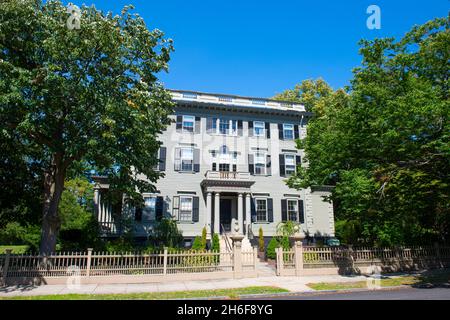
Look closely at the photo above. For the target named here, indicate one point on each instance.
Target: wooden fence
(103, 267)
(342, 260)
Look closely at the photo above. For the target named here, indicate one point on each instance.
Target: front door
(225, 215)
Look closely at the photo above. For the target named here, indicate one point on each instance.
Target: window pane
(259, 127)
(289, 159)
(187, 153)
(292, 210)
(288, 131)
(148, 212)
(186, 209)
(233, 126)
(188, 123)
(261, 210)
(224, 126)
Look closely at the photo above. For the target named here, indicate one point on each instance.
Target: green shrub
(198, 245)
(16, 234)
(122, 244)
(261, 239)
(166, 234)
(215, 246)
(204, 238)
(270, 252)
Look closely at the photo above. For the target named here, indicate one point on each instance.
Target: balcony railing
(225, 175)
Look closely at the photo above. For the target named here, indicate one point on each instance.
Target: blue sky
(259, 48)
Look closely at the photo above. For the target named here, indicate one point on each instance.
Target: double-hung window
(188, 123)
(149, 210)
(288, 131)
(289, 164)
(260, 163)
(187, 159)
(261, 209)
(186, 208)
(292, 210)
(224, 126)
(258, 128)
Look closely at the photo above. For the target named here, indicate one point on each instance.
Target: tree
(88, 94)
(383, 143)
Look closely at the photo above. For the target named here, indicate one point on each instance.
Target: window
(288, 131)
(224, 126)
(259, 128)
(187, 159)
(224, 167)
(188, 123)
(260, 163)
(292, 210)
(289, 164)
(261, 210)
(185, 208)
(149, 210)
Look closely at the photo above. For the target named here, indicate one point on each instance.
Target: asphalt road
(391, 294)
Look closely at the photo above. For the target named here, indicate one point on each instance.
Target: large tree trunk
(53, 188)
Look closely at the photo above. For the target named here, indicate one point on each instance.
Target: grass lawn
(15, 249)
(230, 293)
(429, 278)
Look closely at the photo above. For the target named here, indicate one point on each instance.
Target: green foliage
(166, 234)
(215, 246)
(287, 229)
(383, 143)
(84, 95)
(122, 244)
(15, 234)
(261, 239)
(197, 244)
(271, 246)
(204, 238)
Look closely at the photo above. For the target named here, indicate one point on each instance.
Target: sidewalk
(293, 284)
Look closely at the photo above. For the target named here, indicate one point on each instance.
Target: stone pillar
(240, 206)
(208, 215)
(217, 213)
(237, 255)
(298, 251)
(247, 213)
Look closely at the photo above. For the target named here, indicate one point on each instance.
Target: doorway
(225, 215)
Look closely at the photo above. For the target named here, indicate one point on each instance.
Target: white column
(247, 212)
(217, 212)
(240, 212)
(96, 201)
(208, 215)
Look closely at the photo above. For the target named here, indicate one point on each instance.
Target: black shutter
(214, 166)
(267, 130)
(270, 209)
(197, 124)
(195, 213)
(196, 160)
(250, 128)
(301, 211)
(162, 158)
(298, 161)
(239, 126)
(282, 168)
(175, 207)
(253, 209)
(159, 208)
(137, 214)
(234, 168)
(296, 132)
(280, 131)
(268, 165)
(251, 166)
(179, 123)
(283, 210)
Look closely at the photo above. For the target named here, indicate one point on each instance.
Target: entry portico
(230, 192)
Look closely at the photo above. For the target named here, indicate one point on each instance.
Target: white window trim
(287, 209)
(265, 163)
(256, 210)
(181, 159)
(284, 129)
(263, 134)
(230, 127)
(183, 130)
(180, 209)
(295, 164)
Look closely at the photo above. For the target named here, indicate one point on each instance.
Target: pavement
(293, 284)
